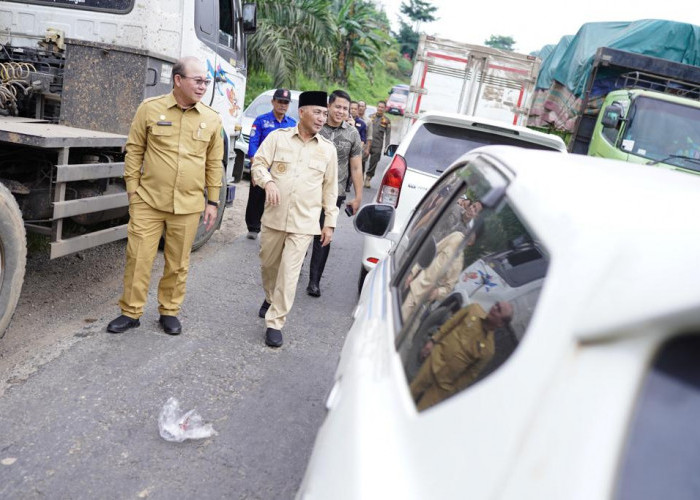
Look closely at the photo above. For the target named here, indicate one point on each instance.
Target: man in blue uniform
(262, 126)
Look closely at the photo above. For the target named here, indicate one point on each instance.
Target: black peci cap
(282, 95)
(313, 98)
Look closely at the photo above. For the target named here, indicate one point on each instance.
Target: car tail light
(390, 188)
(372, 260)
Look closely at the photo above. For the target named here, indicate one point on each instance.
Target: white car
(593, 389)
(260, 105)
(432, 143)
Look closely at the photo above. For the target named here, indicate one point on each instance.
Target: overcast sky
(535, 24)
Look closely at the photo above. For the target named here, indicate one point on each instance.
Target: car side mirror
(250, 18)
(612, 115)
(391, 150)
(375, 219)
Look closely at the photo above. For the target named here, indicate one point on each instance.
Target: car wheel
(13, 256)
(361, 280)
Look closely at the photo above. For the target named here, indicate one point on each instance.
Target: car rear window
(435, 146)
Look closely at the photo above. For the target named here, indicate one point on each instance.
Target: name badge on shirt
(164, 124)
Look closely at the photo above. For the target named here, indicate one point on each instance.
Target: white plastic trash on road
(176, 425)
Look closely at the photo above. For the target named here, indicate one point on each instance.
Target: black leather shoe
(263, 309)
(171, 325)
(122, 324)
(273, 337)
(313, 289)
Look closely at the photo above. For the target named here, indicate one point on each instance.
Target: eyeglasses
(199, 82)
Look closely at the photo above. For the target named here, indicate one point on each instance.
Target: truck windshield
(121, 6)
(665, 132)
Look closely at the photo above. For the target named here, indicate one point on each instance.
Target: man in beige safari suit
(173, 152)
(298, 168)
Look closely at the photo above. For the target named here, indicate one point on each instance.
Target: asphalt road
(83, 421)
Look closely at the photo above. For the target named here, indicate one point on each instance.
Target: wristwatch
(213, 203)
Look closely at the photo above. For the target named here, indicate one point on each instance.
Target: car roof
(460, 120)
(632, 230)
(271, 92)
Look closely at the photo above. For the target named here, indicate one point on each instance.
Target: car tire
(13, 256)
(361, 280)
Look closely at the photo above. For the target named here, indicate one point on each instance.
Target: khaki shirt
(306, 174)
(462, 349)
(378, 132)
(172, 155)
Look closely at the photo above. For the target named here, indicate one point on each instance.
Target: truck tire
(13, 256)
(238, 167)
(202, 234)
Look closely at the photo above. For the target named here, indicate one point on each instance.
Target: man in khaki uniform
(458, 352)
(174, 150)
(378, 136)
(298, 168)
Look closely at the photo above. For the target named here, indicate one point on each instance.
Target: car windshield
(263, 104)
(436, 146)
(398, 97)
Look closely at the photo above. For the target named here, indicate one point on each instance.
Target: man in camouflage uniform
(378, 136)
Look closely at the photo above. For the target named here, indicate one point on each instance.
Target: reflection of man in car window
(435, 279)
(458, 352)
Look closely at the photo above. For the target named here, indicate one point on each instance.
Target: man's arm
(368, 144)
(135, 149)
(254, 138)
(356, 171)
(260, 169)
(329, 198)
(213, 174)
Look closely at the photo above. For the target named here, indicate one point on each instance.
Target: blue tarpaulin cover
(564, 72)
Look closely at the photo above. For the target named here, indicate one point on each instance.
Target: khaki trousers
(145, 228)
(281, 257)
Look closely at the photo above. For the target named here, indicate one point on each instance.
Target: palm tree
(293, 36)
(361, 35)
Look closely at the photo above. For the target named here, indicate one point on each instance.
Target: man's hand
(272, 194)
(210, 216)
(427, 349)
(326, 236)
(128, 195)
(355, 204)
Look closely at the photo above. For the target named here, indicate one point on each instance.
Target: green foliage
(407, 39)
(501, 42)
(362, 85)
(292, 37)
(361, 36)
(419, 11)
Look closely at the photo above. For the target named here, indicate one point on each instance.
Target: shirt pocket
(282, 162)
(163, 136)
(200, 141)
(317, 170)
